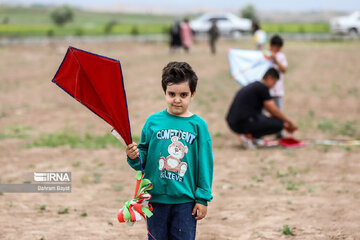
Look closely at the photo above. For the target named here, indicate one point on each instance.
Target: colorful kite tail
(138, 208)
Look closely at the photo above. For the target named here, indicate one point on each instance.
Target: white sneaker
(266, 143)
(246, 142)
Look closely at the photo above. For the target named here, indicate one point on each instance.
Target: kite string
(141, 167)
(142, 171)
(149, 231)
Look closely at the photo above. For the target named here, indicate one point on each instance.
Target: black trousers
(258, 126)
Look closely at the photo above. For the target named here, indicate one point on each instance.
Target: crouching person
(246, 117)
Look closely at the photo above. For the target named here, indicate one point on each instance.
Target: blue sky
(283, 5)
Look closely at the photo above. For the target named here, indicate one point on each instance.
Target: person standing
(213, 36)
(279, 62)
(175, 39)
(186, 35)
(176, 154)
(259, 36)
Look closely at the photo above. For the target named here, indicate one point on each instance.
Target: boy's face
(275, 48)
(178, 97)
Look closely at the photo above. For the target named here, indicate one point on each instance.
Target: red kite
(96, 82)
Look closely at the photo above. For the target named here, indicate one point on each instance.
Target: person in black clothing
(213, 36)
(175, 39)
(245, 116)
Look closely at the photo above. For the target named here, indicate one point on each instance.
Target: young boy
(176, 155)
(279, 63)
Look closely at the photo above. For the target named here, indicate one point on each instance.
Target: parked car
(347, 24)
(227, 23)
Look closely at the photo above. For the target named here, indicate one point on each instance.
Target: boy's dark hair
(178, 72)
(276, 40)
(273, 73)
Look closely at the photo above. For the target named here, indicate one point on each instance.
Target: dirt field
(314, 190)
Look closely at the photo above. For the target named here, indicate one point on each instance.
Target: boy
(280, 63)
(176, 155)
(245, 115)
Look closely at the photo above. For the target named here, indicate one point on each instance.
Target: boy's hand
(282, 68)
(201, 211)
(132, 151)
(273, 57)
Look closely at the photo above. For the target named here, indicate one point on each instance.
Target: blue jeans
(172, 221)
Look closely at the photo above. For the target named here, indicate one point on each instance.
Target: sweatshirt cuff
(134, 163)
(129, 159)
(202, 201)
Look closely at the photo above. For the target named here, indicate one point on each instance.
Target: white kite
(247, 66)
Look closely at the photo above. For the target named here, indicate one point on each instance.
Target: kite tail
(138, 208)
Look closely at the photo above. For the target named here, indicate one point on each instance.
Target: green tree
(5, 20)
(249, 12)
(134, 30)
(109, 26)
(62, 15)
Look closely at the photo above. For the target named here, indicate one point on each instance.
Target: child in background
(176, 155)
(259, 36)
(279, 63)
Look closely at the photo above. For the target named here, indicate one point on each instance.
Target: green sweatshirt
(176, 155)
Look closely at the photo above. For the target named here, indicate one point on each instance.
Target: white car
(227, 23)
(347, 24)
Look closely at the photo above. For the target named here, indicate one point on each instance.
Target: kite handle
(118, 136)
